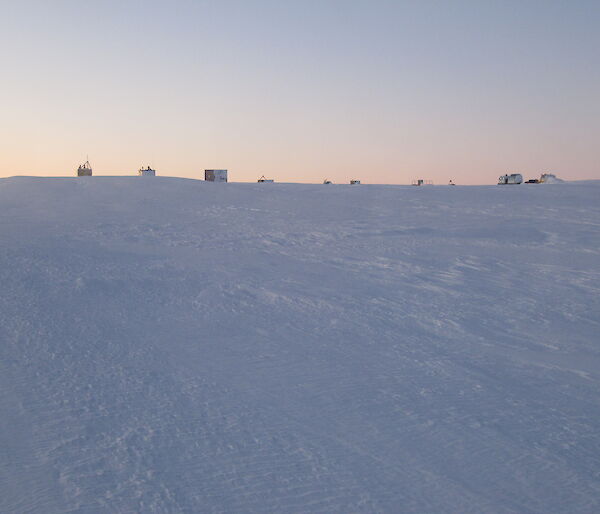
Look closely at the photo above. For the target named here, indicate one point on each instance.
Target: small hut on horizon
(215, 175)
(147, 172)
(84, 170)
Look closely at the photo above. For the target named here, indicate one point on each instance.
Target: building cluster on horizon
(85, 170)
(214, 175)
(517, 178)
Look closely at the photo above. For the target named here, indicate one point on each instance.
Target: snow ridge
(171, 345)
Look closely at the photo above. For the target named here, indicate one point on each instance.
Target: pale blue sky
(383, 91)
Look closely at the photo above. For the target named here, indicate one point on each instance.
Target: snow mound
(172, 345)
(549, 178)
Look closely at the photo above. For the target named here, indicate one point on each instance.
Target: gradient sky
(381, 90)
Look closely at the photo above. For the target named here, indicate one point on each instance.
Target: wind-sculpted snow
(171, 345)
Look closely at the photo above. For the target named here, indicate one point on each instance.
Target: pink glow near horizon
(379, 91)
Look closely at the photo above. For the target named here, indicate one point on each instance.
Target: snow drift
(171, 345)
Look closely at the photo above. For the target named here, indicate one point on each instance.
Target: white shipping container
(215, 175)
(513, 178)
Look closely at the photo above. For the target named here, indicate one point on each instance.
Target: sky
(382, 91)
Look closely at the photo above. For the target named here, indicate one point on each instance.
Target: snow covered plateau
(172, 345)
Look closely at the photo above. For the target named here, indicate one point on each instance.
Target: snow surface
(171, 345)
